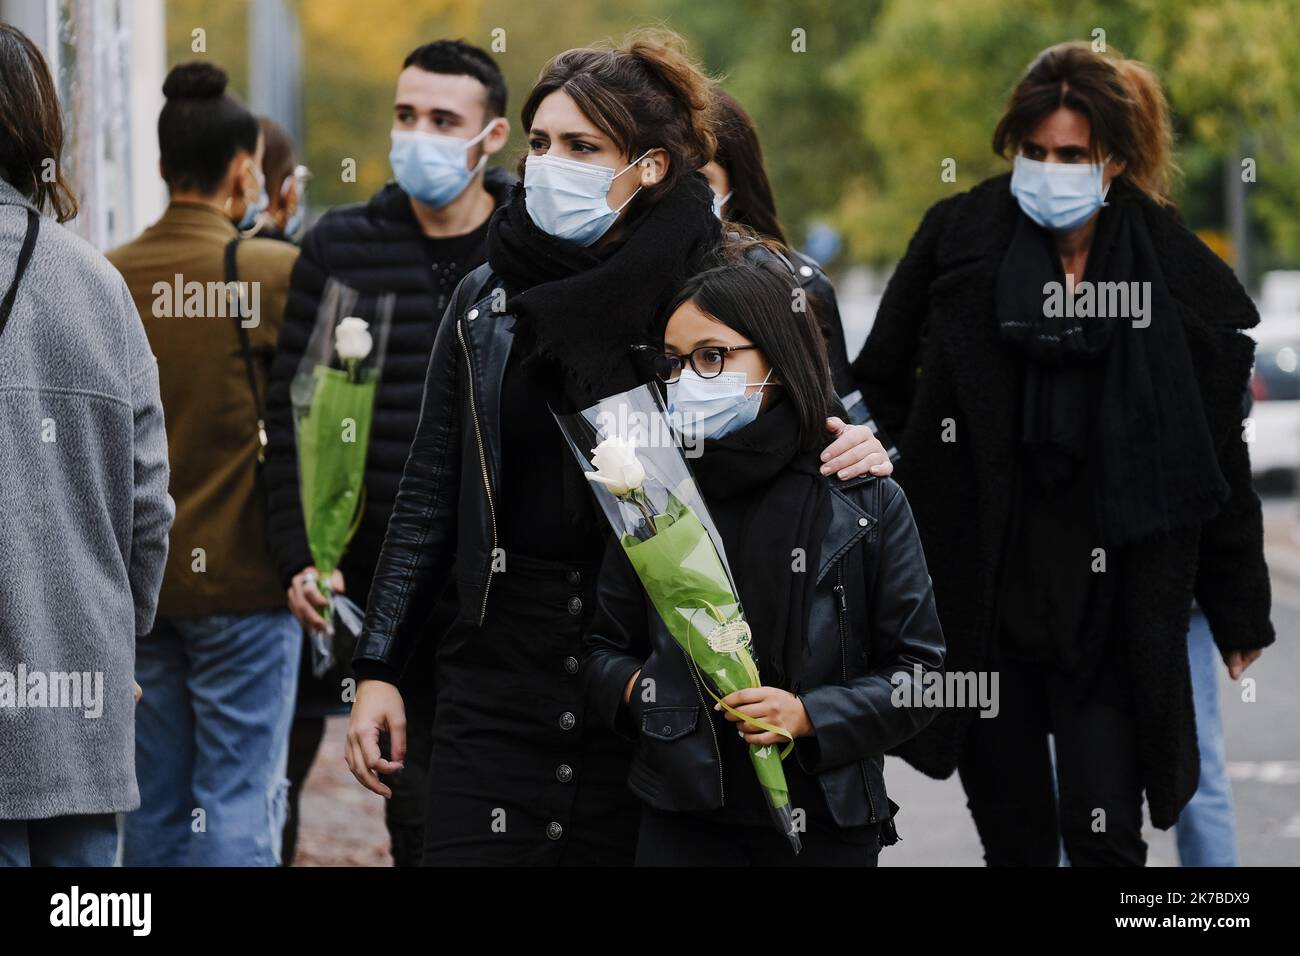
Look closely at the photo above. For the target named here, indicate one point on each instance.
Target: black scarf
(579, 310)
(769, 499)
(1136, 418)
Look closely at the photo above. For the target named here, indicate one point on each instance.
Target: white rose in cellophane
(352, 339)
(617, 466)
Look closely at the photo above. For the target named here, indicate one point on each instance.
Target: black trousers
(1006, 770)
(684, 839)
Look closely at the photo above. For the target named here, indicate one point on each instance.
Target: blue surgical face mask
(566, 198)
(703, 408)
(255, 209)
(1058, 196)
(433, 168)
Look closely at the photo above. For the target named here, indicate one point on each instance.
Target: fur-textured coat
(934, 354)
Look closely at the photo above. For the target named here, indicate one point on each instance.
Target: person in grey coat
(83, 492)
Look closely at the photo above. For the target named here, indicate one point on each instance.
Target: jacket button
(805, 271)
(554, 831)
(567, 720)
(668, 729)
(575, 605)
(570, 665)
(862, 522)
(573, 577)
(564, 773)
(473, 314)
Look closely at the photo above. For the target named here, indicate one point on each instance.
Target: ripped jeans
(212, 740)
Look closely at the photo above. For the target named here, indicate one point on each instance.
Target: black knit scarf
(580, 311)
(1141, 426)
(769, 500)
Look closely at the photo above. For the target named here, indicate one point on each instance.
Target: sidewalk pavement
(1282, 538)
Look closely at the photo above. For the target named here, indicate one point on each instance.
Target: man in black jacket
(415, 239)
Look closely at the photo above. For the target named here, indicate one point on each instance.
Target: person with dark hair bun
(611, 217)
(219, 669)
(83, 542)
(1063, 364)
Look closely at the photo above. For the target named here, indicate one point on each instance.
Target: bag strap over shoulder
(24, 259)
(246, 346)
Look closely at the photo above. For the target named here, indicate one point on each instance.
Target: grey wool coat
(84, 516)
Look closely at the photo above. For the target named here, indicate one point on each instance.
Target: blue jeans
(212, 740)
(1206, 830)
(85, 840)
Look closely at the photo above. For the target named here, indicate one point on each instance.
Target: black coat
(934, 354)
(374, 247)
(872, 616)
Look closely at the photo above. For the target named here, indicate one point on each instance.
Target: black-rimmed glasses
(707, 361)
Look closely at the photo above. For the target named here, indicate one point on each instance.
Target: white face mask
(720, 201)
(703, 408)
(566, 198)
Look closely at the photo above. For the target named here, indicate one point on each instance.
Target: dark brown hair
(645, 94)
(740, 154)
(31, 126)
(1121, 100)
(278, 158)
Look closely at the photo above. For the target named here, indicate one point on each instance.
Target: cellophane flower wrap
(631, 455)
(333, 397)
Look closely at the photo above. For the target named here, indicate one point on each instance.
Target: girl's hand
(378, 707)
(772, 705)
(856, 451)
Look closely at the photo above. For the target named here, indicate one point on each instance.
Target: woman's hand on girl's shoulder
(856, 451)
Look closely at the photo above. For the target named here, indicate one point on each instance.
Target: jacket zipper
(717, 751)
(844, 668)
(482, 458)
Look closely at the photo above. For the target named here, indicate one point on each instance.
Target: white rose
(352, 340)
(617, 466)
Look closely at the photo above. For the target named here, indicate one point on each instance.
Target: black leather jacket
(445, 515)
(445, 509)
(872, 617)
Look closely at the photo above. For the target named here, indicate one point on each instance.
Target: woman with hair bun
(220, 667)
(610, 218)
(1063, 363)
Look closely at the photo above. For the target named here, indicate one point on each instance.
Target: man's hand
(305, 600)
(378, 708)
(772, 705)
(855, 451)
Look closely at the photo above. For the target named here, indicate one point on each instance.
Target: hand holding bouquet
(646, 491)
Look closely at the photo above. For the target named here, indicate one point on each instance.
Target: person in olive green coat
(220, 668)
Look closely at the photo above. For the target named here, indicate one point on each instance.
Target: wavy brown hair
(31, 126)
(1121, 99)
(645, 94)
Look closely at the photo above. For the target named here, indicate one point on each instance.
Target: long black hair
(201, 128)
(740, 154)
(760, 300)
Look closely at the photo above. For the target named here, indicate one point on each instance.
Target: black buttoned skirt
(520, 775)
